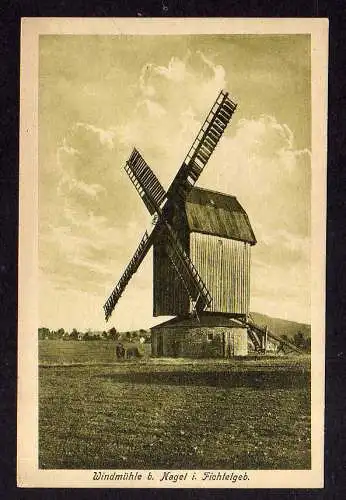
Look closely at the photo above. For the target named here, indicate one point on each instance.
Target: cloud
(106, 137)
(89, 161)
(66, 157)
(89, 232)
(219, 73)
(179, 94)
(193, 80)
(281, 270)
(281, 291)
(259, 164)
(294, 244)
(154, 109)
(91, 190)
(176, 70)
(85, 252)
(69, 150)
(145, 87)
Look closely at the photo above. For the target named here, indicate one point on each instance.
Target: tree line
(88, 335)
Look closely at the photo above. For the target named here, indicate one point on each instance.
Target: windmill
(202, 241)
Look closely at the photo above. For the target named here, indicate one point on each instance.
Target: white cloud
(91, 190)
(183, 82)
(219, 73)
(281, 291)
(69, 157)
(106, 137)
(154, 109)
(175, 71)
(172, 104)
(86, 220)
(147, 89)
(69, 150)
(259, 165)
(284, 239)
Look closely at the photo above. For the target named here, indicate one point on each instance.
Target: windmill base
(209, 336)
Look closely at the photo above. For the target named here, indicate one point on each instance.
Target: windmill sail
(153, 195)
(203, 146)
(132, 267)
(145, 181)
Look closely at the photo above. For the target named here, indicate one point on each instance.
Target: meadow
(96, 412)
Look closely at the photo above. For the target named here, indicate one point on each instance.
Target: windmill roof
(218, 214)
(204, 320)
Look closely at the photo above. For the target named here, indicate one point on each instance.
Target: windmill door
(176, 348)
(227, 344)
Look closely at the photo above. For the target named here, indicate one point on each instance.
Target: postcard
(172, 236)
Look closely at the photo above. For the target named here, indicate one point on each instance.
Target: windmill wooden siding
(224, 266)
(216, 233)
(170, 296)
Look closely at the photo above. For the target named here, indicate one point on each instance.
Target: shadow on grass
(256, 379)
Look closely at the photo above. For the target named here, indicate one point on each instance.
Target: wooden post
(265, 339)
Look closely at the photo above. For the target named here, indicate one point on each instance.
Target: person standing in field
(119, 350)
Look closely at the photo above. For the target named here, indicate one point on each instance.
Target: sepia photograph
(171, 268)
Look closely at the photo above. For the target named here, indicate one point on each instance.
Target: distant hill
(280, 326)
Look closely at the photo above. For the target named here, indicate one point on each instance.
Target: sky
(99, 96)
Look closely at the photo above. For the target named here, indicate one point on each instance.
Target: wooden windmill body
(215, 232)
(202, 241)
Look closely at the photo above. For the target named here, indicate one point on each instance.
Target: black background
(10, 15)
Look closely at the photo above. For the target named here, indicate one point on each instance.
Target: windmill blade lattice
(145, 181)
(153, 195)
(132, 267)
(203, 146)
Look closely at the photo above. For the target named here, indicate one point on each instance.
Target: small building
(208, 336)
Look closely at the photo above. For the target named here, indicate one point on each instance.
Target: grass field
(95, 412)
